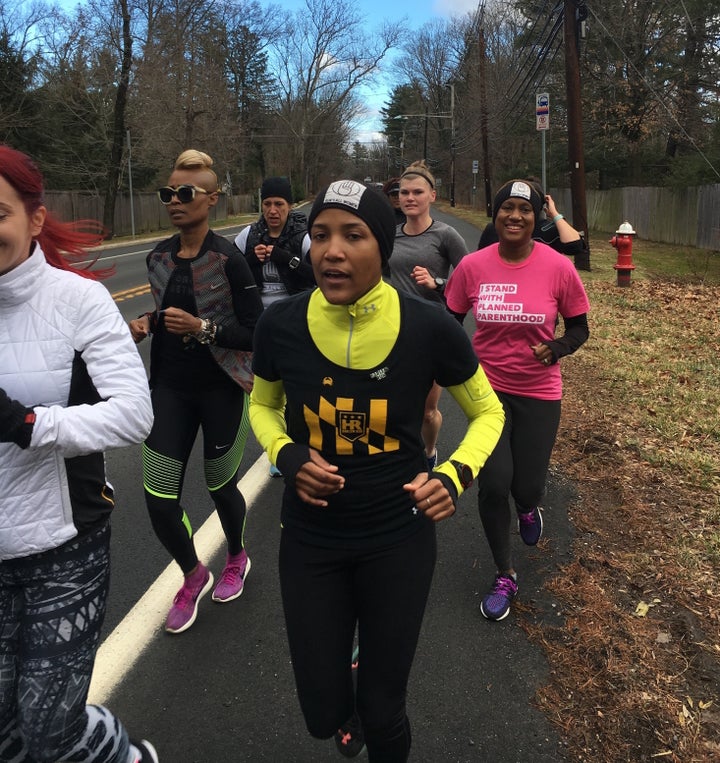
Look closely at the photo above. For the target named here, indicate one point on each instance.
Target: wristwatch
(294, 262)
(464, 474)
(440, 283)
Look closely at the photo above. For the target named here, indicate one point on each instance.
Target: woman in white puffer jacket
(71, 386)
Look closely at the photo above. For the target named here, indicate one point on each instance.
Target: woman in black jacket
(206, 306)
(276, 246)
(551, 228)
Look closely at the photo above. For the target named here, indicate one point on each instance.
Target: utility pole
(484, 118)
(452, 144)
(425, 137)
(575, 134)
(130, 185)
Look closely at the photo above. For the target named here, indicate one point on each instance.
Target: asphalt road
(223, 691)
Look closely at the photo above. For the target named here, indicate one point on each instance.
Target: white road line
(120, 651)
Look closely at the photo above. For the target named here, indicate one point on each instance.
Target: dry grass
(635, 668)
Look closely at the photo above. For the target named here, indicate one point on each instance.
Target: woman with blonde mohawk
(206, 306)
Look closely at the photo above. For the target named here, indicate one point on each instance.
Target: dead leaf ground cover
(635, 666)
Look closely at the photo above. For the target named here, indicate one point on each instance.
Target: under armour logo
(369, 308)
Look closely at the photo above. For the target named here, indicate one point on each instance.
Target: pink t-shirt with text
(516, 306)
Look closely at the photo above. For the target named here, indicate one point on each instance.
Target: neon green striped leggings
(222, 413)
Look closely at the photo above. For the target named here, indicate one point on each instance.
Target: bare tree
(75, 86)
(250, 29)
(202, 74)
(430, 64)
(325, 54)
(20, 58)
(117, 135)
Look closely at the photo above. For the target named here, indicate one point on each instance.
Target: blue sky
(416, 14)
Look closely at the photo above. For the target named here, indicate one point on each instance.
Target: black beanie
(277, 187)
(518, 189)
(371, 206)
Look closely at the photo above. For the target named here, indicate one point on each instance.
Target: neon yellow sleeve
(267, 416)
(486, 418)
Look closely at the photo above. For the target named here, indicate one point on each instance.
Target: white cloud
(454, 7)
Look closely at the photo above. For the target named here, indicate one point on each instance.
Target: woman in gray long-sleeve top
(425, 250)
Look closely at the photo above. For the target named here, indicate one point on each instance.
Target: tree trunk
(118, 132)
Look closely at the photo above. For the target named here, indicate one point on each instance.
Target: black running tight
(325, 594)
(221, 411)
(517, 467)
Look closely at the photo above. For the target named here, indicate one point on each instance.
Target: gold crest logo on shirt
(342, 427)
(351, 425)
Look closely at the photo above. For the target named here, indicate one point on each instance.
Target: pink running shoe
(148, 754)
(232, 579)
(184, 610)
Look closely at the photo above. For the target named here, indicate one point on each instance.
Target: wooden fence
(688, 217)
(148, 213)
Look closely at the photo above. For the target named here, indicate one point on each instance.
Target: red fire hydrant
(622, 241)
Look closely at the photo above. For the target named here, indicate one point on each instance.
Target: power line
(534, 62)
(547, 47)
(530, 43)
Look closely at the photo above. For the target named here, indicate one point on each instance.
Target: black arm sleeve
(299, 278)
(247, 306)
(488, 236)
(14, 426)
(459, 317)
(570, 248)
(576, 334)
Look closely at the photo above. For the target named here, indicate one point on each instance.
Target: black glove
(290, 460)
(448, 483)
(16, 421)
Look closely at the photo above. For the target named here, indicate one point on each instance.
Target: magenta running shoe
(184, 610)
(232, 579)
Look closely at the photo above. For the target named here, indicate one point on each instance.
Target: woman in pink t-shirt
(517, 289)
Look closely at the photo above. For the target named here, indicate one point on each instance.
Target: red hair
(62, 243)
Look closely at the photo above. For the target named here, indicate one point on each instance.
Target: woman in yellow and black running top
(341, 377)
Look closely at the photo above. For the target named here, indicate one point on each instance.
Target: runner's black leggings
(517, 467)
(325, 593)
(222, 413)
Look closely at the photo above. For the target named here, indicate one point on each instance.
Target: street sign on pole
(542, 111)
(542, 124)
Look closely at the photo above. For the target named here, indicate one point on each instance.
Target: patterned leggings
(52, 606)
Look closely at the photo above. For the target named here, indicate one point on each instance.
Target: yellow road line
(124, 647)
(136, 291)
